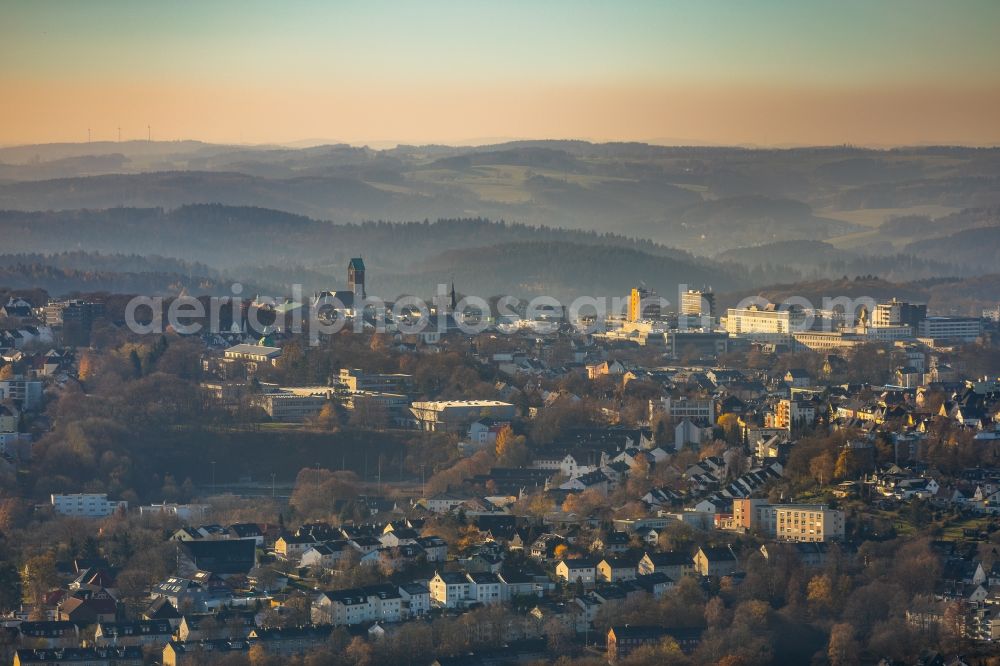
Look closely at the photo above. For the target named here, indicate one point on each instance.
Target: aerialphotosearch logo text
(325, 314)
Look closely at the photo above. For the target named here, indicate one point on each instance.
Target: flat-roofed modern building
(291, 407)
(253, 353)
(698, 302)
(356, 380)
(764, 324)
(789, 522)
(452, 415)
(951, 328)
(898, 313)
(90, 505)
(698, 410)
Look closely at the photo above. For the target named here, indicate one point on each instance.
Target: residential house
(415, 598)
(486, 587)
(435, 548)
(226, 623)
(656, 584)
(80, 656)
(289, 641)
(612, 542)
(179, 653)
(325, 555)
(673, 564)
(716, 561)
(623, 640)
(247, 531)
(450, 589)
(50, 633)
(443, 502)
(195, 593)
(291, 547)
(615, 570)
(577, 569)
(520, 584)
(595, 480)
(140, 633)
(343, 607)
(372, 603)
(223, 557)
(87, 607)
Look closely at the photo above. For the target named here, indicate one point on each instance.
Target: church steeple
(454, 299)
(356, 277)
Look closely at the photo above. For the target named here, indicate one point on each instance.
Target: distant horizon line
(481, 142)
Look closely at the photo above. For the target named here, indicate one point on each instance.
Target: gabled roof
(453, 577)
(316, 631)
(161, 609)
(718, 554)
(244, 530)
(223, 556)
(670, 559)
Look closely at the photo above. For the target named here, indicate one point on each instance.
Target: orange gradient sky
(767, 73)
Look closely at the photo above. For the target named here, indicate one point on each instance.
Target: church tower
(356, 277)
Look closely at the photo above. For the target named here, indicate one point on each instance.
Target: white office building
(768, 324)
(90, 505)
(951, 328)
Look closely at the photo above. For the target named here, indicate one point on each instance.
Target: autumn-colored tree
(558, 636)
(843, 648)
(822, 468)
(38, 576)
(317, 489)
(359, 652)
(664, 653)
(716, 615)
(733, 660)
(560, 551)
(328, 419)
(258, 656)
(511, 449)
(953, 634)
(379, 343)
(7, 372)
(730, 424)
(845, 466)
(536, 505)
(820, 593)
(583, 503)
(14, 513)
(87, 366)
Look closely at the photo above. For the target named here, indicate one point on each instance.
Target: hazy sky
(765, 72)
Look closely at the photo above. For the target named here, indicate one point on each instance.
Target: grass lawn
(954, 531)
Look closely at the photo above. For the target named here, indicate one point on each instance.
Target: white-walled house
(572, 570)
(416, 598)
(486, 587)
(449, 589)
